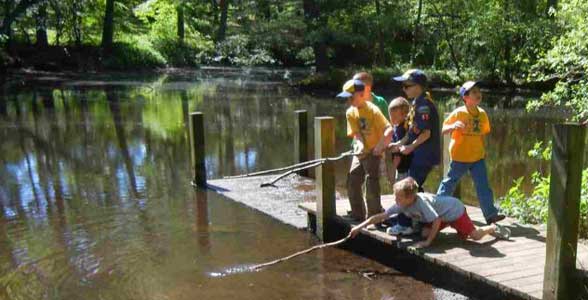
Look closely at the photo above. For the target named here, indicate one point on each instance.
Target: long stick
(317, 163)
(264, 184)
(273, 170)
(273, 262)
(298, 165)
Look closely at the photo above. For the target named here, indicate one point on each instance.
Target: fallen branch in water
(273, 262)
(315, 163)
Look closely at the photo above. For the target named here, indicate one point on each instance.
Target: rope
(273, 262)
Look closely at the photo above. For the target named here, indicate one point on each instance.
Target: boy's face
(397, 116)
(357, 99)
(411, 89)
(404, 199)
(474, 96)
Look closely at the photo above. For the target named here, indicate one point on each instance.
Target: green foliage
(533, 208)
(567, 62)
(238, 50)
(135, 53)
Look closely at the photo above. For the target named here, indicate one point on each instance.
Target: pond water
(95, 200)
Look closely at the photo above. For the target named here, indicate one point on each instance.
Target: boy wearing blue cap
(468, 125)
(371, 133)
(423, 136)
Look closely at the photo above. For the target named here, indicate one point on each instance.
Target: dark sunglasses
(405, 86)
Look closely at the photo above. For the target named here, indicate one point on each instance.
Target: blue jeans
(479, 175)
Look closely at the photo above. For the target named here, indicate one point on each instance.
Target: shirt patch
(362, 123)
(425, 117)
(425, 109)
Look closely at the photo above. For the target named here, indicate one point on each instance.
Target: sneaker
(502, 232)
(496, 218)
(399, 230)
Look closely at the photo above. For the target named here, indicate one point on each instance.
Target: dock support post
(324, 141)
(447, 159)
(197, 149)
(560, 279)
(301, 140)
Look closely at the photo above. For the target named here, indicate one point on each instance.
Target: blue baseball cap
(350, 87)
(466, 87)
(414, 75)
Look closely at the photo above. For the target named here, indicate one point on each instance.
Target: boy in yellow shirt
(468, 125)
(371, 133)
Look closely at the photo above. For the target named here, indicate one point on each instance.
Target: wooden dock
(515, 266)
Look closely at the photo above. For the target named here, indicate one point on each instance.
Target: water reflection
(95, 200)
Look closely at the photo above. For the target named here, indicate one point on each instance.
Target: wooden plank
(197, 150)
(567, 160)
(324, 145)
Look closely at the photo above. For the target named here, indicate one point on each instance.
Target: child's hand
(422, 244)
(458, 125)
(393, 148)
(354, 231)
(406, 150)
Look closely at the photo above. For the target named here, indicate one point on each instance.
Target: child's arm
(375, 219)
(384, 140)
(432, 234)
(423, 137)
(448, 128)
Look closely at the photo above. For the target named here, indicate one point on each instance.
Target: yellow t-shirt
(368, 121)
(467, 145)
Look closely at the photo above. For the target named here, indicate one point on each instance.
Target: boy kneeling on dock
(436, 212)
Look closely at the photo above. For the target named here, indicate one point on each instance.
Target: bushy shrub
(133, 53)
(237, 50)
(533, 208)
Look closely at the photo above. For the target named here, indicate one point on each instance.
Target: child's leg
(371, 166)
(456, 171)
(355, 180)
(482, 232)
(391, 165)
(485, 196)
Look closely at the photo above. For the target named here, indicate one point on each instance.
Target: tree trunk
(41, 32)
(77, 9)
(180, 11)
(214, 7)
(108, 26)
(381, 57)
(507, 45)
(314, 23)
(222, 28)
(58, 21)
(416, 32)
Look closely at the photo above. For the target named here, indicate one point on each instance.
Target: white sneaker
(502, 232)
(399, 230)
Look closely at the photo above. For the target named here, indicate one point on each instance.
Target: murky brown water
(95, 201)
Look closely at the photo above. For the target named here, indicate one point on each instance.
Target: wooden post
(447, 159)
(560, 279)
(301, 140)
(197, 138)
(324, 141)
